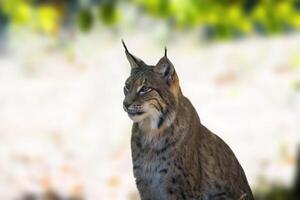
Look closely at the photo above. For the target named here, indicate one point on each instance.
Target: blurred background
(63, 132)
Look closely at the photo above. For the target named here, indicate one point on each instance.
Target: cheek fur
(155, 101)
(152, 117)
(151, 110)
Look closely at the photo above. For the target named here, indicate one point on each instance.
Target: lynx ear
(134, 61)
(165, 68)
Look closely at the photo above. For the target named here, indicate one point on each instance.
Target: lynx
(174, 156)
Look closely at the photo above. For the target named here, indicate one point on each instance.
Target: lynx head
(151, 91)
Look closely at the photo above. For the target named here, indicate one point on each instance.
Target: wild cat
(174, 156)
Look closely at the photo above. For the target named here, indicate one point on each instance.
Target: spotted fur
(174, 156)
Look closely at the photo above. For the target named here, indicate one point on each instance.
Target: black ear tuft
(124, 45)
(134, 61)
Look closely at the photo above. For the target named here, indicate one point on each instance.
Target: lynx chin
(174, 156)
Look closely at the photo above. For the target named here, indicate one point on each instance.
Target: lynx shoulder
(174, 156)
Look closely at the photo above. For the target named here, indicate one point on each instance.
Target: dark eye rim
(145, 90)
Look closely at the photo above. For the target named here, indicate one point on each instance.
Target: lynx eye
(145, 90)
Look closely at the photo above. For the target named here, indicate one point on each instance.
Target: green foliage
(277, 192)
(21, 13)
(219, 19)
(3, 20)
(227, 19)
(107, 11)
(85, 20)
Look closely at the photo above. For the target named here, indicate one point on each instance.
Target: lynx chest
(151, 169)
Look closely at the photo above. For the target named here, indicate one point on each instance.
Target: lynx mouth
(135, 112)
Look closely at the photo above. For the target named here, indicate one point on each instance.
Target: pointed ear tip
(124, 45)
(166, 51)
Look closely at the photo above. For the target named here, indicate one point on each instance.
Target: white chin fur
(138, 118)
(151, 119)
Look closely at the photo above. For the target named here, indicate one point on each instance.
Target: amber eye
(145, 90)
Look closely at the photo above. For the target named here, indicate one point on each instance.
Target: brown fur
(174, 156)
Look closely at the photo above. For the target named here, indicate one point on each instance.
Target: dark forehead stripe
(141, 70)
(139, 74)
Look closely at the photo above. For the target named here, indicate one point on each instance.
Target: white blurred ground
(62, 125)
